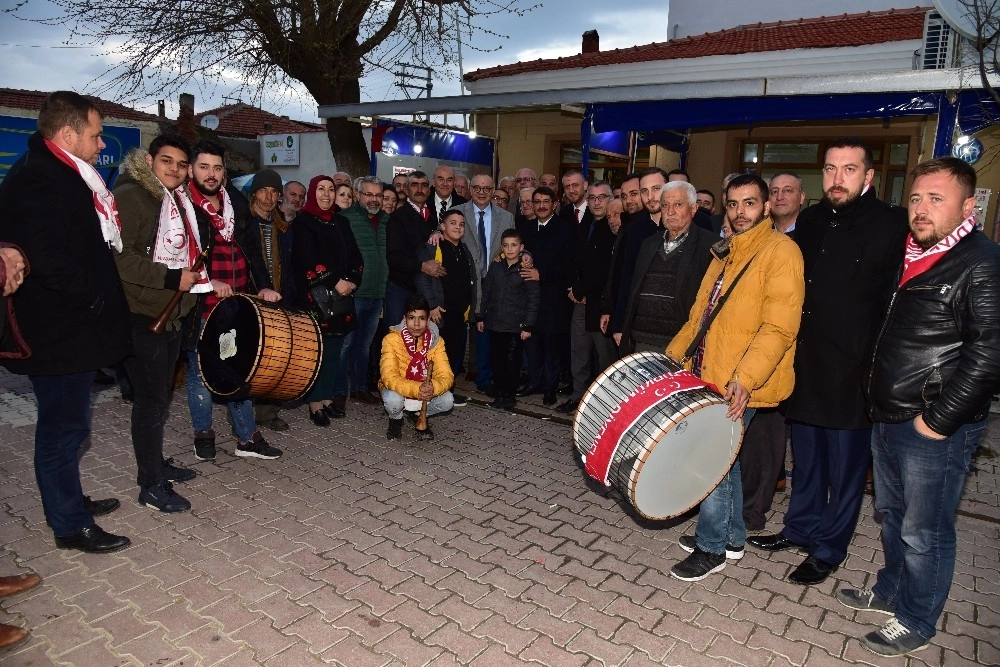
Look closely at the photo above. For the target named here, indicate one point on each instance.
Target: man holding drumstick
(153, 205)
(740, 336)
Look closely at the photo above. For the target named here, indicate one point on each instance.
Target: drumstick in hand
(422, 419)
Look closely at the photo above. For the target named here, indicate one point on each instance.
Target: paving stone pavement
(486, 546)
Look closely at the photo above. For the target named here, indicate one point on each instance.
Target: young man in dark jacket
(936, 366)
(154, 208)
(509, 310)
(452, 297)
(71, 310)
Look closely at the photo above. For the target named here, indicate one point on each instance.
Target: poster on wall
(279, 150)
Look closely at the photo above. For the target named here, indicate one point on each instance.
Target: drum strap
(711, 317)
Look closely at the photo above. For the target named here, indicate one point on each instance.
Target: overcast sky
(35, 57)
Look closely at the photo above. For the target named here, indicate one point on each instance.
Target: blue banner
(15, 130)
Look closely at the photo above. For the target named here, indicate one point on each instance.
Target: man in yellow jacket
(746, 351)
(414, 368)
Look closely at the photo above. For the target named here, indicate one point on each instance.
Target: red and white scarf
(223, 223)
(177, 242)
(104, 201)
(917, 260)
(417, 369)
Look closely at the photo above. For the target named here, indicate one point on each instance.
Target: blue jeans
(395, 303)
(200, 405)
(918, 484)
(720, 518)
(354, 352)
(484, 360)
(63, 425)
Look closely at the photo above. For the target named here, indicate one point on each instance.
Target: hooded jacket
(148, 285)
(395, 358)
(752, 339)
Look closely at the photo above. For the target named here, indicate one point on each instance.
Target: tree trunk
(348, 145)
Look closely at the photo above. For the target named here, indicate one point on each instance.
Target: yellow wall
(530, 139)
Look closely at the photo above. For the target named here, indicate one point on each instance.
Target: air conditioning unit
(940, 47)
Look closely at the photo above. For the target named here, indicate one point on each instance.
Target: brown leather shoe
(18, 583)
(11, 635)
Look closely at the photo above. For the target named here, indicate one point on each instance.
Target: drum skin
(656, 433)
(251, 348)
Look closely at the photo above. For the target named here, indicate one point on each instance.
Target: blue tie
(482, 244)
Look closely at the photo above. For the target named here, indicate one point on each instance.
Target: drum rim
(641, 460)
(256, 303)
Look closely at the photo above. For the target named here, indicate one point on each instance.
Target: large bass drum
(656, 433)
(251, 348)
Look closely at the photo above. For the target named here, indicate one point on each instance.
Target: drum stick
(159, 325)
(422, 419)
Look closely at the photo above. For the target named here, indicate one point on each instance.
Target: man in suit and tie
(445, 196)
(591, 261)
(407, 231)
(575, 190)
(485, 223)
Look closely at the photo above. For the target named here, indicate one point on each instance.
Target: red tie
(426, 213)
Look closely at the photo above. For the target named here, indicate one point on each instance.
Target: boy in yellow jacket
(414, 368)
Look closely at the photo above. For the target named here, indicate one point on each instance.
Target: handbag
(335, 313)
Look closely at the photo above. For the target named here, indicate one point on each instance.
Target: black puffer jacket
(938, 353)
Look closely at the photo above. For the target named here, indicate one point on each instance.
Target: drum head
(229, 347)
(674, 474)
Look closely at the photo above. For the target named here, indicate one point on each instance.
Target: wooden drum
(251, 348)
(656, 433)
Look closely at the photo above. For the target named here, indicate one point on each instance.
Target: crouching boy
(414, 368)
(509, 307)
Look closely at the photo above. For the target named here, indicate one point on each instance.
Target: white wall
(696, 17)
(315, 157)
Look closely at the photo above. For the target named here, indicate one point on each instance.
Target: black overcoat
(851, 257)
(71, 308)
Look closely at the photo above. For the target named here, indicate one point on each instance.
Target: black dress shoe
(333, 411)
(776, 542)
(100, 507)
(319, 417)
(812, 571)
(566, 390)
(549, 398)
(569, 407)
(528, 391)
(93, 540)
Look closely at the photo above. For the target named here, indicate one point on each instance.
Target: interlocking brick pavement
(487, 546)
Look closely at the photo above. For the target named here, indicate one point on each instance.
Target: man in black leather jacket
(935, 367)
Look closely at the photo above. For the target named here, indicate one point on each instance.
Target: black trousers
(453, 331)
(151, 372)
(506, 354)
(762, 457)
(545, 355)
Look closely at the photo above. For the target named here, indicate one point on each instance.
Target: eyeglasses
(541, 201)
(498, 198)
(482, 188)
(599, 198)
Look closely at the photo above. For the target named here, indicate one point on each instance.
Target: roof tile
(32, 100)
(244, 120)
(813, 33)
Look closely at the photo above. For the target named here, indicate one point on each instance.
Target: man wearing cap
(276, 244)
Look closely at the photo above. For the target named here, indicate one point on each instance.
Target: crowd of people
(871, 335)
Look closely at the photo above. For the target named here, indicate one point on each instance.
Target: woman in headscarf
(326, 257)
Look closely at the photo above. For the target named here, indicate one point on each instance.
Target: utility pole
(406, 73)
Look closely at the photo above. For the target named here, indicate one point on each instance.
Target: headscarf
(311, 207)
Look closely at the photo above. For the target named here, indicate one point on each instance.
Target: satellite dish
(958, 14)
(211, 121)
